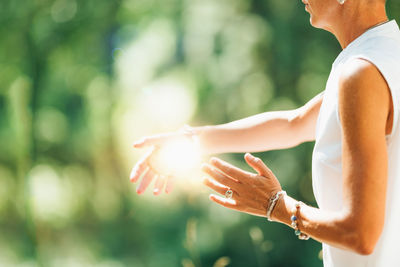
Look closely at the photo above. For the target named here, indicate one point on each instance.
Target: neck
(353, 24)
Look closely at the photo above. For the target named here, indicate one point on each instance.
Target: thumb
(144, 142)
(257, 164)
(154, 140)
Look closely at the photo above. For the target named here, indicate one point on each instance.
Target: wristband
(272, 203)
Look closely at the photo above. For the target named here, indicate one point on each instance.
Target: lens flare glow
(180, 157)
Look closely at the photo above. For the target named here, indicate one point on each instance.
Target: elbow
(361, 233)
(365, 248)
(298, 125)
(363, 241)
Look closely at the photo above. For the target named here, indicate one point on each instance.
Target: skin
(262, 132)
(366, 115)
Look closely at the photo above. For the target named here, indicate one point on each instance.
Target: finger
(153, 140)
(230, 170)
(159, 185)
(227, 203)
(221, 178)
(146, 180)
(146, 141)
(170, 184)
(258, 165)
(140, 167)
(220, 189)
(137, 171)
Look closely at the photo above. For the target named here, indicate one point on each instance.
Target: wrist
(201, 134)
(282, 210)
(273, 200)
(288, 211)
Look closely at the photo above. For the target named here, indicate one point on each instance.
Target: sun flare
(180, 157)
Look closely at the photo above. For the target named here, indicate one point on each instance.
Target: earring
(341, 1)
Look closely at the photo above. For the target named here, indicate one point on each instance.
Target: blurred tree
(80, 80)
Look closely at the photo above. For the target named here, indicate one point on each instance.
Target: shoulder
(358, 72)
(362, 78)
(364, 94)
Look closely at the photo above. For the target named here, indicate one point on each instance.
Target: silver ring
(229, 194)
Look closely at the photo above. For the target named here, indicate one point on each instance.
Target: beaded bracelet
(293, 218)
(272, 203)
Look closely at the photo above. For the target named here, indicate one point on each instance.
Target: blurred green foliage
(81, 80)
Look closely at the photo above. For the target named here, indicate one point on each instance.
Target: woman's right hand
(144, 169)
(149, 167)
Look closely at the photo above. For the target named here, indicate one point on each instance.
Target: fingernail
(132, 174)
(213, 160)
(138, 190)
(204, 166)
(252, 158)
(156, 191)
(137, 143)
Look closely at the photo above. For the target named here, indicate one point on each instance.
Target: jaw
(324, 22)
(324, 13)
(316, 23)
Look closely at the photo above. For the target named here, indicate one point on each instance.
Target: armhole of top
(392, 94)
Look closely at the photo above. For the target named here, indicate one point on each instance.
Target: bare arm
(266, 131)
(262, 132)
(364, 108)
(365, 112)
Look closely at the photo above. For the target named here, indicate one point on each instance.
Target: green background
(81, 80)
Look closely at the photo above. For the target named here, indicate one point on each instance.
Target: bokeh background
(81, 80)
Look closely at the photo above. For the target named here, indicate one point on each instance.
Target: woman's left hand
(251, 192)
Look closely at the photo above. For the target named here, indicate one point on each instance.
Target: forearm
(262, 132)
(329, 227)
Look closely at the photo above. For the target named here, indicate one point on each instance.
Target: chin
(315, 23)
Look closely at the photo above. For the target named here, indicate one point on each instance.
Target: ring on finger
(229, 194)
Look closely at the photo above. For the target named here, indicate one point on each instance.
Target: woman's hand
(143, 169)
(251, 192)
(145, 166)
(160, 163)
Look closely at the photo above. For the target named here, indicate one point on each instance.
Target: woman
(356, 157)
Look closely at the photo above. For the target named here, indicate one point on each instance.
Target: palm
(148, 171)
(164, 160)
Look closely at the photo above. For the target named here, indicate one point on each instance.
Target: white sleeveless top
(381, 46)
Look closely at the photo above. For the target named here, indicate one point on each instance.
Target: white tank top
(381, 46)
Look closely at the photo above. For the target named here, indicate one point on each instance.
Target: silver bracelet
(272, 203)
